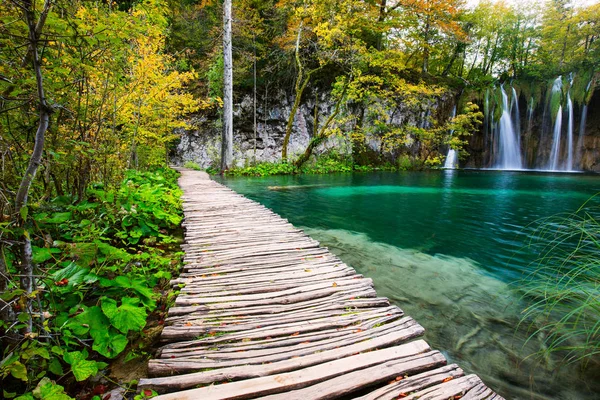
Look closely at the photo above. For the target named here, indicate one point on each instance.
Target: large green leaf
(109, 343)
(82, 368)
(139, 286)
(75, 274)
(91, 320)
(48, 390)
(59, 218)
(18, 370)
(127, 317)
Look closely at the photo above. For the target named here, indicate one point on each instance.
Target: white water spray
(510, 151)
(451, 157)
(555, 153)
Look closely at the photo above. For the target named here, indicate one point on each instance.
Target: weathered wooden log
(325, 365)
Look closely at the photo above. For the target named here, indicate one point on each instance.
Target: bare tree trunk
(254, 103)
(227, 136)
(36, 157)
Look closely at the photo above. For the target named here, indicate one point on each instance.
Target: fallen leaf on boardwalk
(295, 356)
(202, 276)
(147, 392)
(457, 397)
(399, 378)
(212, 333)
(307, 342)
(358, 330)
(215, 275)
(308, 270)
(188, 324)
(334, 284)
(268, 337)
(401, 395)
(298, 249)
(448, 379)
(258, 326)
(295, 334)
(352, 298)
(172, 356)
(245, 340)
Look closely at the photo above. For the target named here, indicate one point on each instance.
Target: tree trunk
(322, 135)
(227, 136)
(26, 267)
(299, 88)
(426, 49)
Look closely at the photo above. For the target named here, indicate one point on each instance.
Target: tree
(34, 29)
(227, 137)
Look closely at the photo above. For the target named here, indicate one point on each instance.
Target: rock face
(202, 143)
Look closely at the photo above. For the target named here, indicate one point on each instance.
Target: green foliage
(100, 259)
(564, 285)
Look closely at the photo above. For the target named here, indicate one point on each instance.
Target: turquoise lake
(448, 248)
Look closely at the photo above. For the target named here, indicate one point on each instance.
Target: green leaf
(48, 390)
(82, 368)
(26, 396)
(110, 344)
(9, 295)
(127, 317)
(90, 320)
(73, 273)
(41, 254)
(55, 367)
(59, 218)
(8, 395)
(18, 370)
(24, 211)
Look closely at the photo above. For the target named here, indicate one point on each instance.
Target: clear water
(446, 247)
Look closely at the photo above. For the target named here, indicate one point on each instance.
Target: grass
(564, 287)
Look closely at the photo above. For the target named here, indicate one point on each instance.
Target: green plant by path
(322, 165)
(102, 263)
(564, 287)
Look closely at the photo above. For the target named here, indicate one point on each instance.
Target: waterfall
(555, 152)
(530, 114)
(451, 157)
(514, 109)
(584, 111)
(581, 133)
(569, 164)
(509, 152)
(556, 141)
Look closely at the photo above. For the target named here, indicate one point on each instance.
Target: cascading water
(509, 156)
(584, 111)
(555, 153)
(553, 140)
(514, 110)
(569, 164)
(530, 114)
(556, 141)
(451, 157)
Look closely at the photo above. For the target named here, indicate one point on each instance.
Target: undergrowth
(103, 266)
(326, 164)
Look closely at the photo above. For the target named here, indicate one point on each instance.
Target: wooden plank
(323, 365)
(408, 384)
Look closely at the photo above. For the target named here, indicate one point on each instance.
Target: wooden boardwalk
(265, 312)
